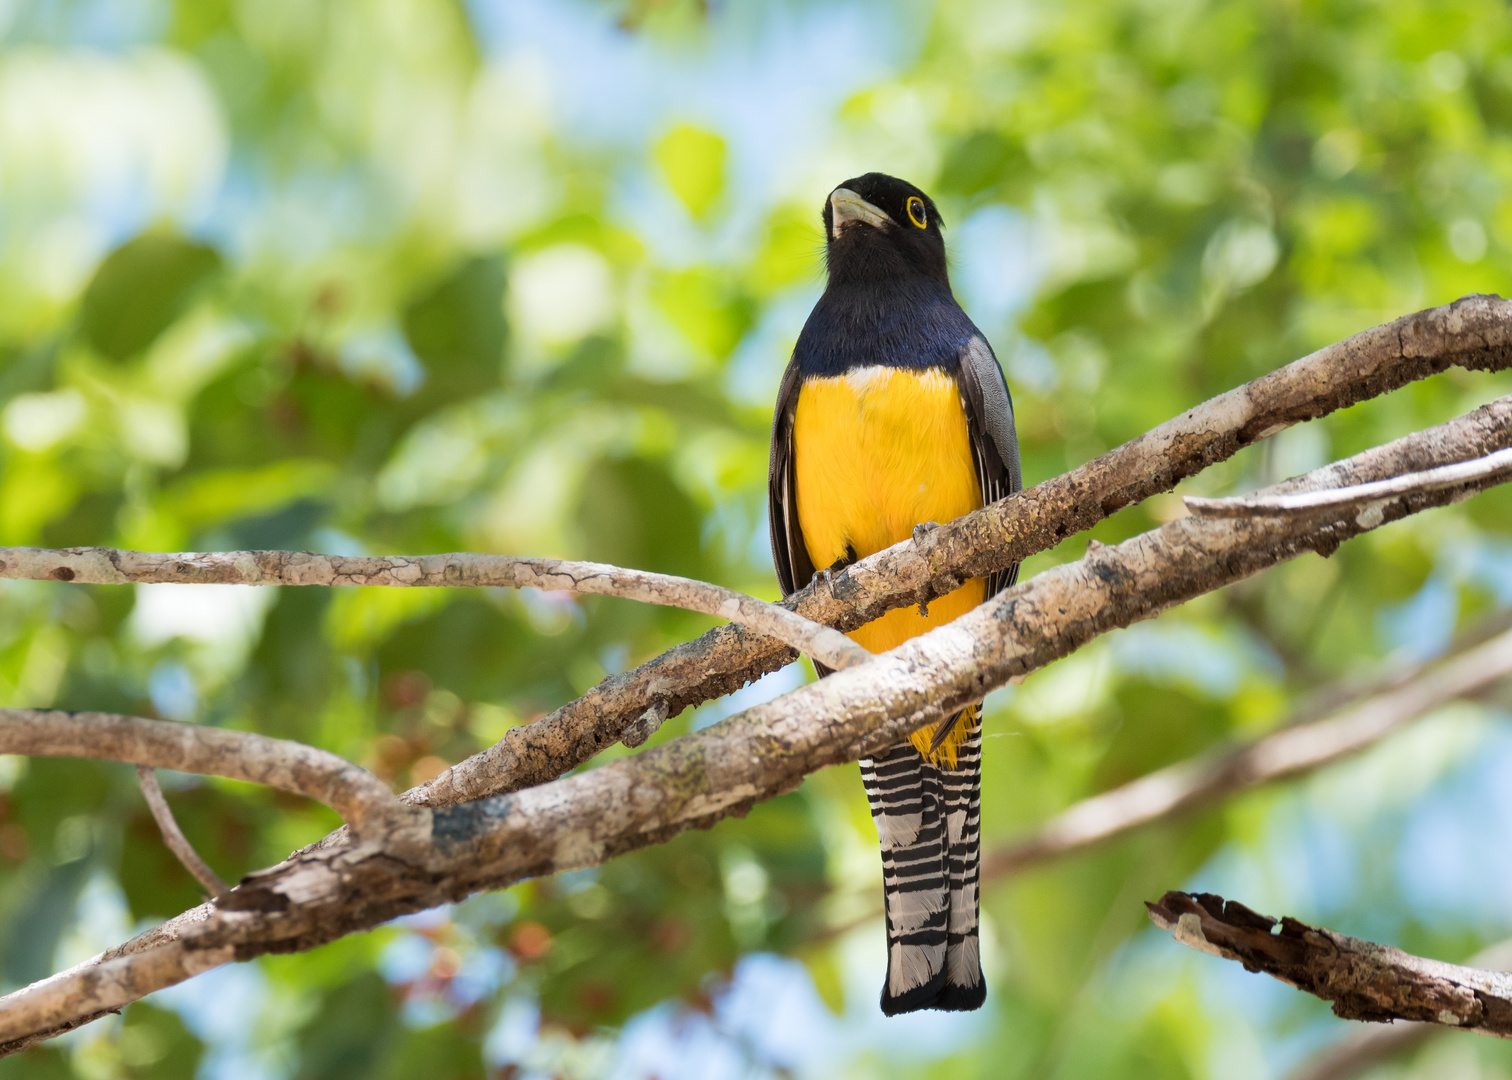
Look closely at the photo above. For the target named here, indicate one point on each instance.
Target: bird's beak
(847, 206)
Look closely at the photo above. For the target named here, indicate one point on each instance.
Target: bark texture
(1363, 980)
(87, 992)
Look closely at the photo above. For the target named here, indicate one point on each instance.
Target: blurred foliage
(414, 276)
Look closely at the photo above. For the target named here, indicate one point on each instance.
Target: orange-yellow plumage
(877, 451)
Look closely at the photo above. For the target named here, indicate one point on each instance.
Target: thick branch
(1474, 332)
(693, 781)
(95, 987)
(362, 800)
(174, 837)
(1289, 752)
(1365, 981)
(111, 566)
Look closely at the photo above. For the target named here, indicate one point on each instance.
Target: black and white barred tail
(929, 821)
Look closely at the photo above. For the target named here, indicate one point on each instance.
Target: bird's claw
(923, 529)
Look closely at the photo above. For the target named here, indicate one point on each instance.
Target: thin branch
(1366, 1047)
(174, 837)
(111, 566)
(1496, 464)
(693, 781)
(363, 801)
(1181, 788)
(1365, 981)
(1474, 332)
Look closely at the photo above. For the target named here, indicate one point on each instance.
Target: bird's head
(880, 228)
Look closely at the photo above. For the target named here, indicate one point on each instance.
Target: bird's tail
(929, 821)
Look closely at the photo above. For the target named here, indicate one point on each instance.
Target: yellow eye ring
(916, 211)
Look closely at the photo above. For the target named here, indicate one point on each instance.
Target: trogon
(893, 415)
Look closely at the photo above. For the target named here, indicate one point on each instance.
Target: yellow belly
(876, 452)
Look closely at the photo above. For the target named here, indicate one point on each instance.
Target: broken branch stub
(1363, 980)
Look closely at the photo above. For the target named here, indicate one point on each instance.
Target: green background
(407, 276)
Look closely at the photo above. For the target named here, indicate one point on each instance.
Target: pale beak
(847, 206)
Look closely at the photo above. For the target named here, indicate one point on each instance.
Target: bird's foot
(827, 576)
(923, 529)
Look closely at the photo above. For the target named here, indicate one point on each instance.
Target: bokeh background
(520, 276)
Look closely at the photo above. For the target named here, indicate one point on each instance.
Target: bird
(893, 415)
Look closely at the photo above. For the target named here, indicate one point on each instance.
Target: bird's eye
(916, 212)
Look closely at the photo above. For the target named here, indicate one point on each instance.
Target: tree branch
(1366, 1047)
(1365, 981)
(691, 782)
(111, 566)
(1474, 332)
(364, 802)
(174, 837)
(1292, 751)
(91, 989)
(1444, 476)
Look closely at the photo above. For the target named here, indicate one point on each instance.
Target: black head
(880, 228)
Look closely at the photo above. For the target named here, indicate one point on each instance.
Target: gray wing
(789, 553)
(994, 440)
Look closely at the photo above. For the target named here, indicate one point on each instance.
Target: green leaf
(692, 161)
(711, 315)
(632, 513)
(140, 288)
(34, 930)
(350, 1036)
(154, 1043)
(458, 331)
(824, 968)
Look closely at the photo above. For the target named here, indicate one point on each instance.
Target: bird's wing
(994, 440)
(789, 553)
